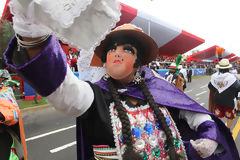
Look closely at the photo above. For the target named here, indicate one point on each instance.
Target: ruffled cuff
(46, 71)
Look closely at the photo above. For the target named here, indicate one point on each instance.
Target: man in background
(175, 77)
(189, 74)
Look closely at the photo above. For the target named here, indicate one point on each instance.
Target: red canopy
(209, 54)
(234, 59)
(170, 39)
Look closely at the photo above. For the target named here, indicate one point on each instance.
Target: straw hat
(149, 46)
(224, 64)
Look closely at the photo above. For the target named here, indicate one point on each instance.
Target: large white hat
(224, 64)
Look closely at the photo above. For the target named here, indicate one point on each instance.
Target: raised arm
(40, 60)
(47, 72)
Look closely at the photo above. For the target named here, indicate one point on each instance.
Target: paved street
(51, 134)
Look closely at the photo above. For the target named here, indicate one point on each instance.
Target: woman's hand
(204, 147)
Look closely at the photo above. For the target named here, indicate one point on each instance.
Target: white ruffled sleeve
(194, 119)
(73, 96)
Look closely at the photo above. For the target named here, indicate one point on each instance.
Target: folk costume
(95, 109)
(224, 88)
(12, 137)
(5, 80)
(176, 78)
(109, 124)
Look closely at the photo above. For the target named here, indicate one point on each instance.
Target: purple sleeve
(209, 130)
(46, 71)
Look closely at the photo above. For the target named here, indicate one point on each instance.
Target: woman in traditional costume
(131, 113)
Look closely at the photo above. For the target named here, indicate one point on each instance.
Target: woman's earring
(137, 78)
(106, 76)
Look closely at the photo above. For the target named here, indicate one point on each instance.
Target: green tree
(6, 32)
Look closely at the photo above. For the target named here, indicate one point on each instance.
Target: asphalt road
(50, 135)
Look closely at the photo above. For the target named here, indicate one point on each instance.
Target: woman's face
(120, 62)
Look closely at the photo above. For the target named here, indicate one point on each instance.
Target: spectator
(175, 78)
(189, 75)
(224, 88)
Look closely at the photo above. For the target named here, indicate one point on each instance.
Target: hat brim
(225, 67)
(148, 45)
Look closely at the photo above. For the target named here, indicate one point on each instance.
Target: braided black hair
(129, 153)
(161, 120)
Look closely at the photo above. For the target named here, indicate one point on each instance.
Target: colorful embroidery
(148, 137)
(221, 84)
(7, 94)
(104, 152)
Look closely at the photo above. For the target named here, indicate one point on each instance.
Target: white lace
(24, 24)
(206, 147)
(80, 23)
(67, 10)
(87, 72)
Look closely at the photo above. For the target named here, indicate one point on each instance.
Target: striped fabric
(103, 152)
(169, 38)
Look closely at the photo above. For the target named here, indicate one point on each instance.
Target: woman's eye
(129, 49)
(112, 48)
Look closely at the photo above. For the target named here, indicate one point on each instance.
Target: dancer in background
(12, 137)
(224, 88)
(175, 77)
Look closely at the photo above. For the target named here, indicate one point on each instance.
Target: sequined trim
(180, 138)
(148, 138)
(115, 132)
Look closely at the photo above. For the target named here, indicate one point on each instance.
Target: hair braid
(129, 153)
(161, 119)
